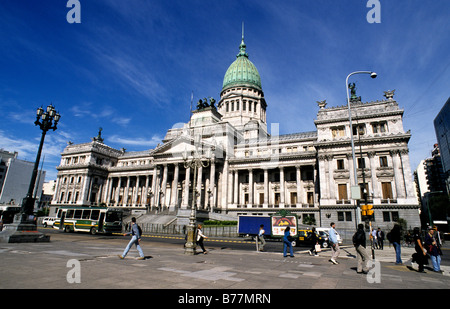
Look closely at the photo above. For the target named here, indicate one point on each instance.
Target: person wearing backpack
(359, 241)
(135, 239)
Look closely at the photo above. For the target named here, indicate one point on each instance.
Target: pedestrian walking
(359, 241)
(380, 238)
(373, 238)
(261, 237)
(334, 243)
(200, 237)
(433, 249)
(420, 257)
(314, 242)
(287, 242)
(395, 235)
(135, 239)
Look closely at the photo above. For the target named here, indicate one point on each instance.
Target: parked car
(48, 221)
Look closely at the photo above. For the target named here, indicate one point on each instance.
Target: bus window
(59, 213)
(86, 214)
(77, 214)
(69, 214)
(95, 214)
(112, 216)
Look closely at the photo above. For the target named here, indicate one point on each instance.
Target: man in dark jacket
(359, 241)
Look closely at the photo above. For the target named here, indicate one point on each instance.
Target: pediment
(182, 145)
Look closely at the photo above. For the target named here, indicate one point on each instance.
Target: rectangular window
(293, 197)
(337, 132)
(95, 214)
(390, 216)
(342, 191)
(86, 214)
(383, 161)
(310, 197)
(359, 129)
(386, 189)
(340, 164)
(77, 214)
(344, 216)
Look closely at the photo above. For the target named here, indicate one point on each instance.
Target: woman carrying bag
(315, 243)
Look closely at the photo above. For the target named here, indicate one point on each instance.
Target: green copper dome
(242, 71)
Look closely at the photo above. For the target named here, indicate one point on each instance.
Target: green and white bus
(90, 219)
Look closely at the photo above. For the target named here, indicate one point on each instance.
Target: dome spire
(242, 47)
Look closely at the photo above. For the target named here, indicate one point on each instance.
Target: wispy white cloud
(141, 142)
(89, 110)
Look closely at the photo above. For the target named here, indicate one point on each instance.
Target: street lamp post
(193, 162)
(373, 75)
(46, 120)
(24, 228)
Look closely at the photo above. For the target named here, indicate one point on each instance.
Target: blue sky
(130, 66)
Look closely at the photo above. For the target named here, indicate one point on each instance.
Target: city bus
(91, 219)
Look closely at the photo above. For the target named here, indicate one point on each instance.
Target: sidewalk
(73, 261)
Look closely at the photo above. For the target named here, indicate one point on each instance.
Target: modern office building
(15, 176)
(442, 129)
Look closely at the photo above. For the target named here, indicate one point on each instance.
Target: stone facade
(246, 170)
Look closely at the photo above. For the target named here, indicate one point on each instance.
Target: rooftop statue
(204, 103)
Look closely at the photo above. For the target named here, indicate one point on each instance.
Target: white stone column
(174, 202)
(236, 188)
(212, 180)
(250, 187)
(155, 193)
(125, 198)
(282, 191)
(164, 186)
(199, 187)
(185, 197)
(266, 188)
(299, 185)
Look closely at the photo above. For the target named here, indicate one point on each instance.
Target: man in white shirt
(261, 237)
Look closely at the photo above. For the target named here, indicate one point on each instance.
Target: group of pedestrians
(377, 239)
(429, 247)
(314, 239)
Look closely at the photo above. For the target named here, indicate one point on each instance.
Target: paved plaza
(75, 261)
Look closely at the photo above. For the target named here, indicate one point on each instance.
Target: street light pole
(45, 120)
(194, 162)
(373, 75)
(24, 228)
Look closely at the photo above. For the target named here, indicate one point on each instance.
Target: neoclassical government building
(247, 170)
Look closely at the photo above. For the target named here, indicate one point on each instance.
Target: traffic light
(367, 211)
